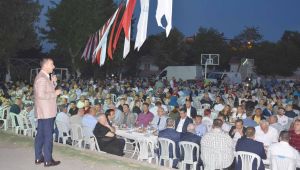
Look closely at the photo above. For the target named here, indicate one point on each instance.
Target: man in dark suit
(170, 133)
(248, 144)
(190, 136)
(183, 121)
(190, 110)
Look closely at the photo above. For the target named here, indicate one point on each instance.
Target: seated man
(207, 120)
(248, 144)
(217, 142)
(200, 127)
(248, 121)
(190, 110)
(89, 120)
(190, 136)
(237, 131)
(105, 134)
(127, 118)
(283, 148)
(265, 133)
(145, 117)
(170, 133)
(182, 122)
(273, 121)
(63, 117)
(282, 118)
(73, 109)
(159, 120)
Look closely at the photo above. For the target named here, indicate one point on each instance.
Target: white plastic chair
(4, 116)
(165, 152)
(282, 163)
(146, 149)
(14, 119)
(247, 159)
(186, 149)
(90, 140)
(62, 131)
(24, 124)
(76, 135)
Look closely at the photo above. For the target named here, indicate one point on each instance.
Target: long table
(146, 143)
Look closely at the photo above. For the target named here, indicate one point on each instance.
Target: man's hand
(54, 78)
(57, 92)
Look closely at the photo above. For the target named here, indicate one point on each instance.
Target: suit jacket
(190, 137)
(44, 96)
(171, 134)
(193, 111)
(231, 134)
(250, 145)
(186, 123)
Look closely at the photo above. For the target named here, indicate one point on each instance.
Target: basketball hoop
(209, 59)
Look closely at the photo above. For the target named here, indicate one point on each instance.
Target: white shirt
(266, 138)
(188, 112)
(283, 120)
(283, 148)
(226, 127)
(207, 121)
(180, 125)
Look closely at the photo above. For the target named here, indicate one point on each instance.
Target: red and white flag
(100, 50)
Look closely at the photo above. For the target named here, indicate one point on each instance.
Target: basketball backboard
(210, 59)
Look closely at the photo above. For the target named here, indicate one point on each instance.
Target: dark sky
(272, 17)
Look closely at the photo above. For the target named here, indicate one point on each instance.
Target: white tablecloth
(135, 135)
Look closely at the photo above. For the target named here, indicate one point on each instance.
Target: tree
(167, 51)
(71, 22)
(17, 28)
(281, 58)
(247, 38)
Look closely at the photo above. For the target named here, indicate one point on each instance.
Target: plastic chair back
(282, 163)
(247, 159)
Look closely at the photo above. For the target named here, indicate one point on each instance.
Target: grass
(86, 156)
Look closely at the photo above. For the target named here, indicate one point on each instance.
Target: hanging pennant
(164, 8)
(142, 25)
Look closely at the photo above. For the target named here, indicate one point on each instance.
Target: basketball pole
(205, 69)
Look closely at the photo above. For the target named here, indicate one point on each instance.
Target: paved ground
(16, 153)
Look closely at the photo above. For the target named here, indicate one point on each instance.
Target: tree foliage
(70, 24)
(17, 28)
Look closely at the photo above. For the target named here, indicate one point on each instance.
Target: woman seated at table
(105, 134)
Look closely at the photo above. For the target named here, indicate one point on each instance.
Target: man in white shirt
(207, 121)
(282, 119)
(284, 149)
(273, 121)
(183, 121)
(62, 116)
(265, 133)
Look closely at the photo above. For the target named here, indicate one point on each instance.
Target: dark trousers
(44, 139)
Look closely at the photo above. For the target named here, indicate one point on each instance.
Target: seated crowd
(222, 121)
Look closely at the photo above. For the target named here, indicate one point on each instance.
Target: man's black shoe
(39, 161)
(51, 163)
